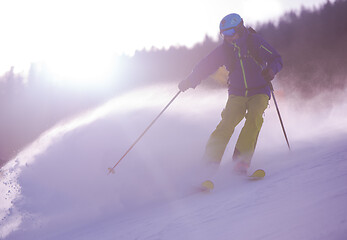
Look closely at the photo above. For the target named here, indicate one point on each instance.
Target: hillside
(57, 188)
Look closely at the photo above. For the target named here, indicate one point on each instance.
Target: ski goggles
(228, 32)
(231, 31)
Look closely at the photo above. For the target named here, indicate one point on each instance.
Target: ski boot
(241, 168)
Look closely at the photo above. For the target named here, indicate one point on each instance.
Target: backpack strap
(251, 30)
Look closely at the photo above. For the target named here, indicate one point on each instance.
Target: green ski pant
(237, 107)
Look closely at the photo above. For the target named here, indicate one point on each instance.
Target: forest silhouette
(312, 44)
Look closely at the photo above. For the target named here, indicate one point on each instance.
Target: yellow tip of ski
(207, 185)
(258, 174)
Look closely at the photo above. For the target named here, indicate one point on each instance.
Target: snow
(58, 187)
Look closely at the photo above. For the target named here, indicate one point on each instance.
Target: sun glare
(77, 68)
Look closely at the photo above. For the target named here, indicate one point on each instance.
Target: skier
(252, 63)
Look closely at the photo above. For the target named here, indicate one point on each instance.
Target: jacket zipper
(242, 67)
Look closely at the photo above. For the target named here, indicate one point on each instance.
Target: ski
(258, 174)
(207, 186)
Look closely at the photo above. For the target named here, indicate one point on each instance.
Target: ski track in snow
(61, 190)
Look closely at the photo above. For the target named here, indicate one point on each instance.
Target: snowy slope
(57, 188)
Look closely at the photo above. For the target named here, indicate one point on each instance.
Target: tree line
(312, 44)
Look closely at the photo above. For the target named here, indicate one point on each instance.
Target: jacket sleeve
(270, 56)
(207, 66)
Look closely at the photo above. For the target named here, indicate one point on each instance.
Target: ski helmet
(229, 23)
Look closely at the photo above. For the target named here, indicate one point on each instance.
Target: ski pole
(111, 170)
(279, 114)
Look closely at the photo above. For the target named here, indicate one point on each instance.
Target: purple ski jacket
(245, 59)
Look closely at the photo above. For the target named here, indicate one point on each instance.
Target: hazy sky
(64, 32)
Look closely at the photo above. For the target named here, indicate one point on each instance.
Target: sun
(80, 69)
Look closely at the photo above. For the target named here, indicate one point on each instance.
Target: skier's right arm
(203, 69)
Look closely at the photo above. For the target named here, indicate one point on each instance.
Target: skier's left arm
(273, 61)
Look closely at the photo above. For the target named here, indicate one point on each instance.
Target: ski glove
(185, 84)
(268, 74)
